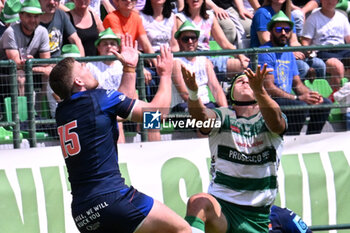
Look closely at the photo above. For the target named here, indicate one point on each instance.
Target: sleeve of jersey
(220, 116)
(116, 103)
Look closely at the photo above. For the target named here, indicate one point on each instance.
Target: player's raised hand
(164, 61)
(189, 79)
(256, 80)
(128, 55)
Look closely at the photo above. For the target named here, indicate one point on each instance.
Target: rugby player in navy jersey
(87, 126)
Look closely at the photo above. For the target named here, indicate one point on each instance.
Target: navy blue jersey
(88, 133)
(283, 220)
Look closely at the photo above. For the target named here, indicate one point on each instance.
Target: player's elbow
(279, 127)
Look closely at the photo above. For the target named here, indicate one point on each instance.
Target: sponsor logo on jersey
(235, 129)
(122, 97)
(110, 92)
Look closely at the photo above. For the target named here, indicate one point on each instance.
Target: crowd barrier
(32, 122)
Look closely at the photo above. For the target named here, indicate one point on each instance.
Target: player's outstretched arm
(161, 101)
(129, 57)
(270, 110)
(196, 108)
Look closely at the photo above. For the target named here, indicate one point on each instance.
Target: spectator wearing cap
(196, 13)
(285, 78)
(9, 14)
(108, 73)
(308, 66)
(24, 40)
(327, 26)
(187, 37)
(59, 27)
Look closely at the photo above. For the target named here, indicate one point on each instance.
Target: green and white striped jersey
(245, 159)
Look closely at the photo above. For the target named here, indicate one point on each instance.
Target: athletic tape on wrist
(192, 95)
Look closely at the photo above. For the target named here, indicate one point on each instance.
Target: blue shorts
(120, 211)
(285, 220)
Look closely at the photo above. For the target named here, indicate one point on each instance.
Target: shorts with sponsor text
(120, 211)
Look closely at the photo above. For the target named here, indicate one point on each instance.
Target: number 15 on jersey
(70, 144)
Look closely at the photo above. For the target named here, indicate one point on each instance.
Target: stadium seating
(22, 108)
(6, 136)
(213, 45)
(322, 86)
(23, 115)
(344, 80)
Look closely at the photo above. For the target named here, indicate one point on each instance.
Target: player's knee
(197, 202)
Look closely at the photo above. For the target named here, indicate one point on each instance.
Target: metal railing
(330, 227)
(252, 52)
(14, 123)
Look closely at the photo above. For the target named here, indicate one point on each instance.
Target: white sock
(196, 230)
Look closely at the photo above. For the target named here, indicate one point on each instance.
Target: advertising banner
(314, 180)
